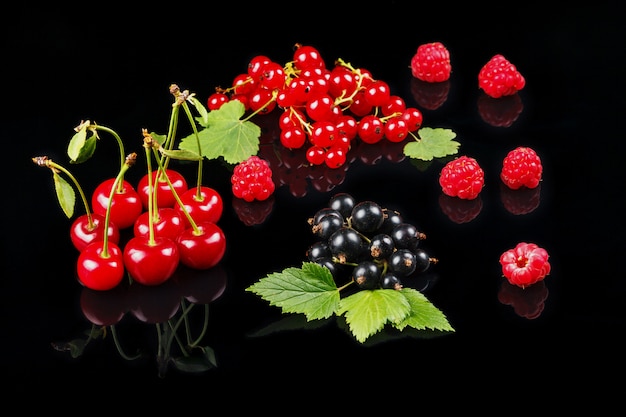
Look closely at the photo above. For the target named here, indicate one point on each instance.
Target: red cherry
(167, 223)
(126, 205)
(151, 262)
(98, 272)
(165, 197)
(208, 208)
(204, 250)
(82, 234)
(103, 308)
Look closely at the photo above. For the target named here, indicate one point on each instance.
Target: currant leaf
(432, 143)
(310, 290)
(65, 194)
(367, 311)
(225, 135)
(423, 314)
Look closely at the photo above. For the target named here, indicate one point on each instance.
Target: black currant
(402, 262)
(334, 269)
(381, 246)
(367, 275)
(390, 281)
(343, 203)
(327, 226)
(406, 236)
(346, 245)
(367, 217)
(422, 260)
(320, 214)
(318, 250)
(391, 219)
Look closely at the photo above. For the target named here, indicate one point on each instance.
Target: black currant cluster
(368, 244)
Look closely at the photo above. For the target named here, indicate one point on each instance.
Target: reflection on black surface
(460, 210)
(429, 96)
(524, 200)
(527, 302)
(500, 112)
(178, 310)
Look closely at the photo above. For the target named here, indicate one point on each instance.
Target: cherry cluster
(323, 108)
(369, 245)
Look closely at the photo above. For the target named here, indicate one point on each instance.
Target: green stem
(120, 145)
(119, 346)
(128, 162)
(195, 131)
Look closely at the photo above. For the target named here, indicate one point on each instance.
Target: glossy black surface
(115, 68)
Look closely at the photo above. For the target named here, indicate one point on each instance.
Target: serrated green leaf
(367, 311)
(65, 194)
(310, 290)
(423, 314)
(225, 135)
(432, 143)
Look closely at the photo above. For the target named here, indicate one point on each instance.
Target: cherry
(203, 204)
(83, 232)
(202, 247)
(99, 269)
(126, 204)
(151, 261)
(164, 195)
(168, 222)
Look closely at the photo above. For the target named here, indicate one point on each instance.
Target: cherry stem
(151, 191)
(128, 162)
(120, 145)
(54, 167)
(153, 144)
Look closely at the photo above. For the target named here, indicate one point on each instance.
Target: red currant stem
(120, 145)
(392, 115)
(260, 109)
(44, 161)
(128, 162)
(119, 346)
(303, 122)
(341, 99)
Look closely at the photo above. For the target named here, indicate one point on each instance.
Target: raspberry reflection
(500, 112)
(528, 302)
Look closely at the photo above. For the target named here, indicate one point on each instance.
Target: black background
(114, 66)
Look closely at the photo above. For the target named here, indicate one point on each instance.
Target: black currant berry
(367, 275)
(390, 281)
(327, 226)
(367, 217)
(320, 214)
(318, 250)
(391, 219)
(343, 203)
(334, 269)
(422, 260)
(381, 246)
(346, 245)
(406, 236)
(402, 262)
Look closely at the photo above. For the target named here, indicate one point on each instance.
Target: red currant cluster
(323, 108)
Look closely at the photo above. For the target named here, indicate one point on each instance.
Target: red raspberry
(431, 63)
(498, 78)
(521, 167)
(252, 180)
(462, 177)
(525, 264)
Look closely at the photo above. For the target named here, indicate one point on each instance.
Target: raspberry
(521, 167)
(252, 180)
(498, 78)
(525, 264)
(431, 63)
(462, 177)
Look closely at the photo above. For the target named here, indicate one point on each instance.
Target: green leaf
(225, 135)
(367, 311)
(310, 290)
(204, 114)
(80, 147)
(432, 143)
(65, 194)
(423, 314)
